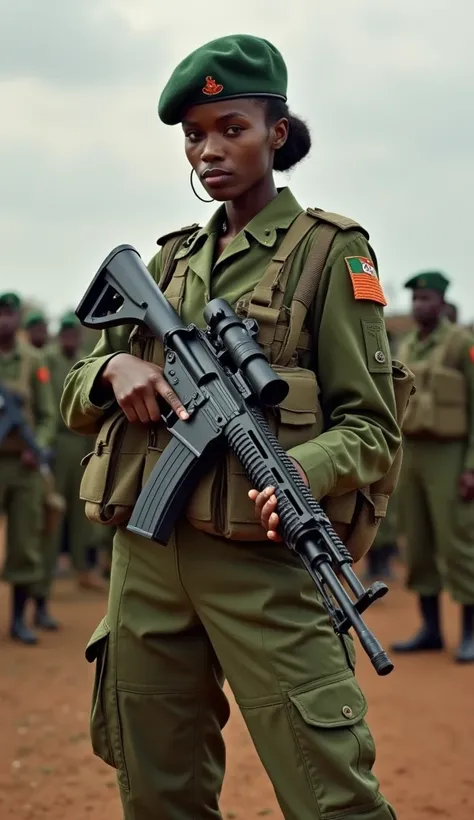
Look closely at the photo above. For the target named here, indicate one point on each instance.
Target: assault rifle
(12, 418)
(223, 379)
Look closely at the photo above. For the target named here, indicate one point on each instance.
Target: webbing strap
(175, 289)
(267, 298)
(306, 290)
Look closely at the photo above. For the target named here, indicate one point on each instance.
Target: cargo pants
(438, 525)
(182, 617)
(80, 532)
(21, 500)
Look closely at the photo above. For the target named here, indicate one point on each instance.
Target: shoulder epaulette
(344, 223)
(188, 229)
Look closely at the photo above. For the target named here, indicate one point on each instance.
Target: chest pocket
(440, 406)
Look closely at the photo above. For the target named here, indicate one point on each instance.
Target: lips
(214, 173)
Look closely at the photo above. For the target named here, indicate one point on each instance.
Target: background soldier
(450, 312)
(437, 482)
(80, 534)
(22, 370)
(36, 328)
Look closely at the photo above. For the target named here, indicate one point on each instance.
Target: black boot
(42, 617)
(429, 637)
(19, 631)
(465, 653)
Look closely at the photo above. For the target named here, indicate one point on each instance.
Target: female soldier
(223, 599)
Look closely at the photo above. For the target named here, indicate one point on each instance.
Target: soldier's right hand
(136, 384)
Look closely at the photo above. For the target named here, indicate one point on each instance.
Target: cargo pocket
(105, 728)
(336, 745)
(113, 471)
(299, 416)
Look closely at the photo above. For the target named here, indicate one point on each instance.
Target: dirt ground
(421, 717)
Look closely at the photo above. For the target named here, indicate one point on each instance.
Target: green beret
(429, 280)
(11, 300)
(68, 320)
(239, 65)
(34, 317)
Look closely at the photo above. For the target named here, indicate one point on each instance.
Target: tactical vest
(439, 408)
(124, 456)
(13, 443)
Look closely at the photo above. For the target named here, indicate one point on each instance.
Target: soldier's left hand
(28, 459)
(466, 485)
(266, 504)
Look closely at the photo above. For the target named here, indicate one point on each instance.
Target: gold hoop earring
(194, 189)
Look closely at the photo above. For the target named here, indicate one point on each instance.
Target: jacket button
(380, 357)
(347, 711)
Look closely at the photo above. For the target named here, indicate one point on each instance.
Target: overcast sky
(387, 88)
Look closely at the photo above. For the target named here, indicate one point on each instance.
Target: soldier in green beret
(78, 535)
(36, 327)
(24, 372)
(226, 598)
(437, 486)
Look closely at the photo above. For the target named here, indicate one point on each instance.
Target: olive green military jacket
(418, 350)
(59, 366)
(352, 356)
(42, 401)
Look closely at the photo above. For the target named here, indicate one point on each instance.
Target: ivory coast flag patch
(365, 282)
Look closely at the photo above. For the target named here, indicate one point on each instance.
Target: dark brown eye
(233, 130)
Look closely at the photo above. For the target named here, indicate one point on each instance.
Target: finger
(253, 494)
(141, 409)
(151, 404)
(170, 397)
(262, 499)
(268, 508)
(127, 408)
(273, 536)
(273, 522)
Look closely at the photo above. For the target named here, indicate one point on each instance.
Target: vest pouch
(226, 509)
(450, 403)
(113, 472)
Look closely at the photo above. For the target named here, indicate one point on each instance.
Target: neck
(240, 211)
(428, 327)
(7, 343)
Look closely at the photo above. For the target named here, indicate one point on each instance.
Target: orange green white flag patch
(365, 282)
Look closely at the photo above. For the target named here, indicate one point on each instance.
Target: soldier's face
(427, 306)
(230, 145)
(9, 322)
(38, 335)
(70, 340)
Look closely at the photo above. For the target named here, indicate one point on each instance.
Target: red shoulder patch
(471, 354)
(42, 374)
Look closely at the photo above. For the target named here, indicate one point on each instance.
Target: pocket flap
(87, 458)
(99, 636)
(296, 417)
(300, 406)
(331, 704)
(109, 425)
